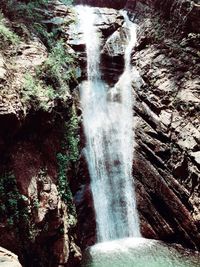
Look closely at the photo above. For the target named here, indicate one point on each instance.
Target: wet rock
(108, 21)
(109, 26)
(196, 157)
(116, 44)
(187, 15)
(117, 4)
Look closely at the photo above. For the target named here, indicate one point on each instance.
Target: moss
(51, 82)
(65, 159)
(13, 206)
(37, 94)
(33, 14)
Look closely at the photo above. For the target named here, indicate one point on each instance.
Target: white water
(108, 124)
(139, 252)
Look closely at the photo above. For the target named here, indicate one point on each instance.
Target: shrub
(13, 205)
(37, 94)
(6, 35)
(59, 68)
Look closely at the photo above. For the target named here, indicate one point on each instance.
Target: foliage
(59, 67)
(64, 190)
(33, 13)
(13, 205)
(37, 93)
(16, 8)
(6, 35)
(68, 156)
(71, 136)
(51, 81)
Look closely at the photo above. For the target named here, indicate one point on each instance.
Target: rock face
(166, 163)
(184, 12)
(117, 4)
(8, 259)
(35, 221)
(167, 117)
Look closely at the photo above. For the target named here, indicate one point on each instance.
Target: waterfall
(108, 125)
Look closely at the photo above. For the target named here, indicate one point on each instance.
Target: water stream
(108, 124)
(109, 129)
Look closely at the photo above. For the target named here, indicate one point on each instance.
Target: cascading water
(108, 124)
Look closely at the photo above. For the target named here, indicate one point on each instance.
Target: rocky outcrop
(167, 132)
(184, 13)
(37, 218)
(108, 22)
(8, 259)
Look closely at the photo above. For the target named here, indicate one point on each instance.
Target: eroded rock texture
(167, 114)
(35, 221)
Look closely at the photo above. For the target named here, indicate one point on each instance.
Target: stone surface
(167, 136)
(108, 21)
(117, 4)
(113, 39)
(30, 140)
(8, 259)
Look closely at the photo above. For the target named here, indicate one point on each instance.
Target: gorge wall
(39, 110)
(38, 134)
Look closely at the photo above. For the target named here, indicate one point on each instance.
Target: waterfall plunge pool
(108, 126)
(139, 252)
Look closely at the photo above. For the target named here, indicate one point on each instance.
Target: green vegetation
(43, 89)
(51, 80)
(33, 13)
(13, 205)
(37, 93)
(68, 156)
(59, 68)
(71, 136)
(7, 36)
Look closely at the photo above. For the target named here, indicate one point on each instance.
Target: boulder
(8, 259)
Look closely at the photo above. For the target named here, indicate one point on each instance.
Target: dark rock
(117, 4)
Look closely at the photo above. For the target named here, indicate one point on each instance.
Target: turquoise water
(139, 252)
